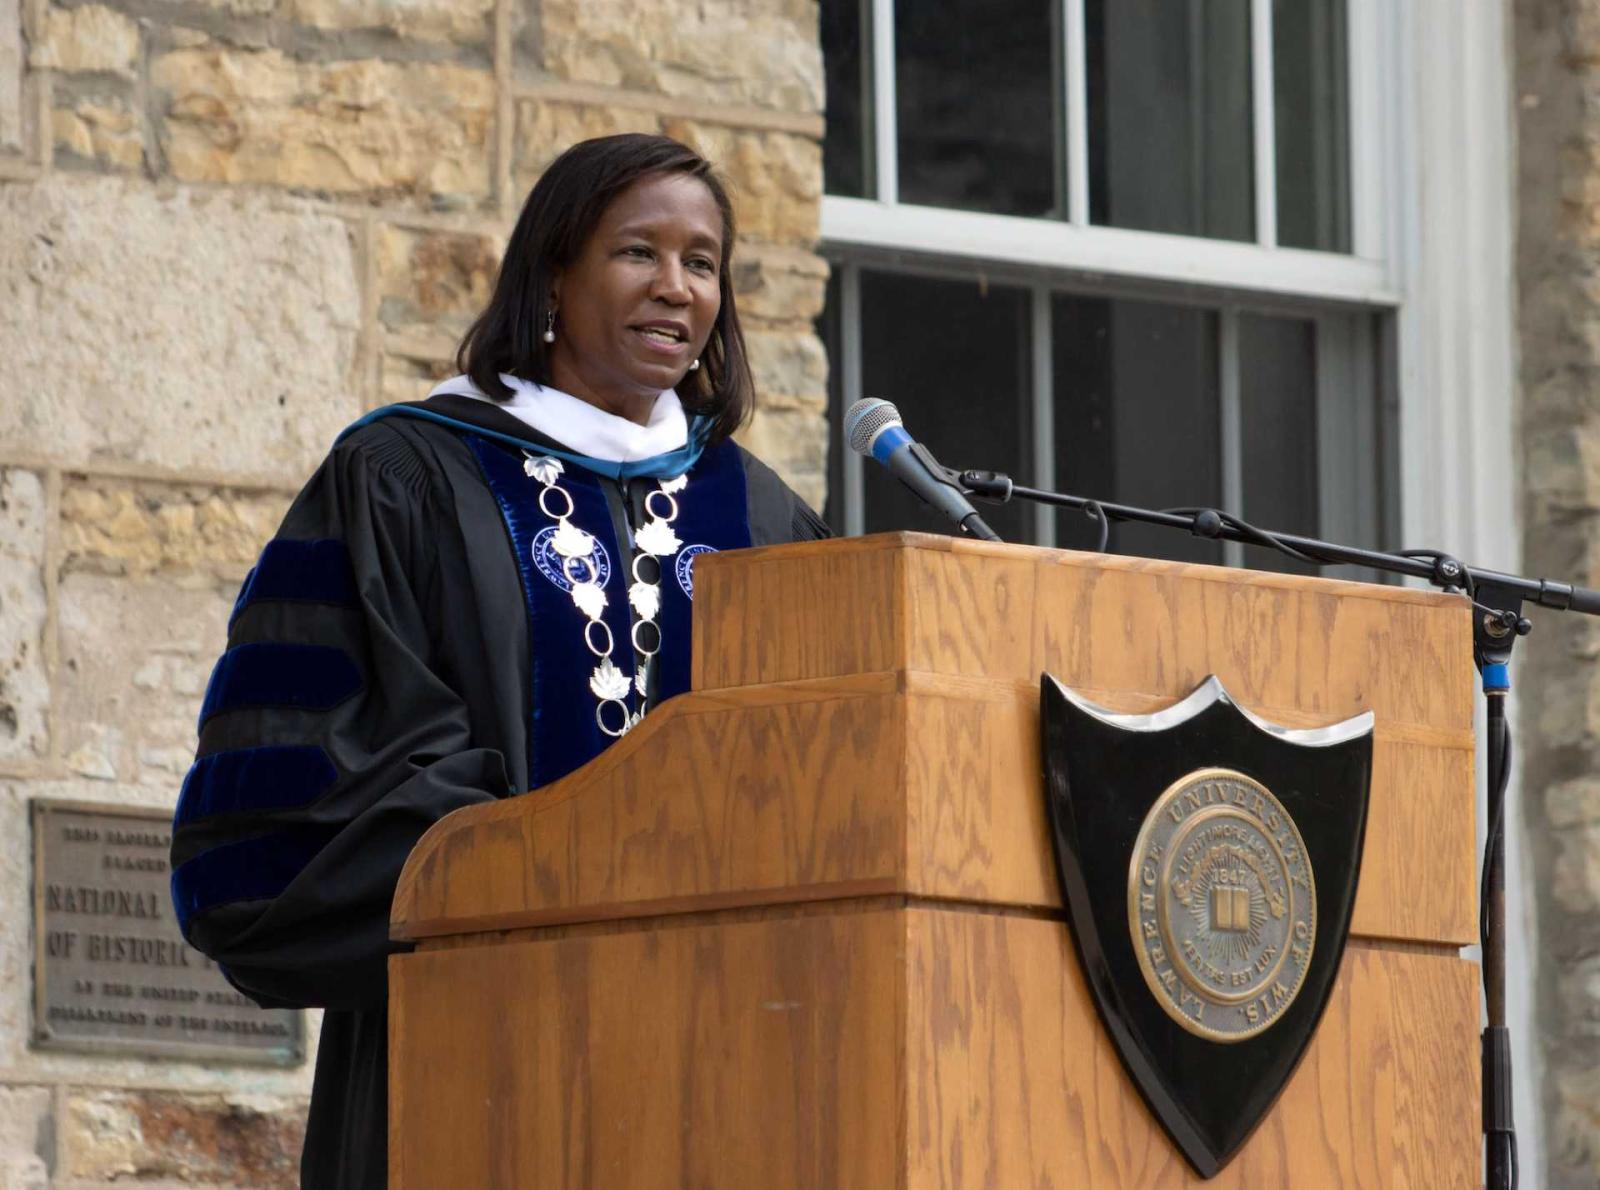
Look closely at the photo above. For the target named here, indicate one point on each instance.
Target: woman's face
(637, 306)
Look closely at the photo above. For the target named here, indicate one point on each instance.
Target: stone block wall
(1558, 198)
(227, 228)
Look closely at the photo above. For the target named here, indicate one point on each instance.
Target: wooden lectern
(802, 927)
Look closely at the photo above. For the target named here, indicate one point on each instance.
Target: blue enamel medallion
(685, 565)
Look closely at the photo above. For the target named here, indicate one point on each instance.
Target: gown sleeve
(330, 735)
(777, 513)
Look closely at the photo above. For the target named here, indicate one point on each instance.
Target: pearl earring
(695, 367)
(550, 326)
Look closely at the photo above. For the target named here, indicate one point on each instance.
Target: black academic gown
(378, 677)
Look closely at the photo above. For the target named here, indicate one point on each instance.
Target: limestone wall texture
(227, 228)
(1558, 201)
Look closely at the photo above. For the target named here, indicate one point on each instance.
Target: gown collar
(462, 411)
(582, 427)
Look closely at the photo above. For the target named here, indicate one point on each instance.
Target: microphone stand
(1496, 600)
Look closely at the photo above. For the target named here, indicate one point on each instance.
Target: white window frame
(1364, 276)
(1349, 476)
(1432, 177)
(1050, 254)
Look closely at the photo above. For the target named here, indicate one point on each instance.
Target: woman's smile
(671, 338)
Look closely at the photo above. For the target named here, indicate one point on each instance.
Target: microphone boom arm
(1438, 568)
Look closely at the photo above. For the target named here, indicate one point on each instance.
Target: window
(1130, 251)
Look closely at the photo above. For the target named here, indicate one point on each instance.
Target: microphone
(873, 428)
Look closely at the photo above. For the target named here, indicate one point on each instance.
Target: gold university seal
(1222, 904)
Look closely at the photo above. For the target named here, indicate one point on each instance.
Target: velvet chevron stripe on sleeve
(245, 780)
(299, 572)
(275, 674)
(252, 869)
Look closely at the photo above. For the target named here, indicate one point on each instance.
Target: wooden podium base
(802, 927)
(877, 1043)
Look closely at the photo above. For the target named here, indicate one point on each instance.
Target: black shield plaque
(1208, 861)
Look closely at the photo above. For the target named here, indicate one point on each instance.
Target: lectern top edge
(911, 542)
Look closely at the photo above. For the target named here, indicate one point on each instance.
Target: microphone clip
(991, 485)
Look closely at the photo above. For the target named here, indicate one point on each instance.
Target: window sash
(1349, 433)
(979, 237)
(1367, 275)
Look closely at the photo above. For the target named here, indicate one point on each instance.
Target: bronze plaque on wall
(112, 973)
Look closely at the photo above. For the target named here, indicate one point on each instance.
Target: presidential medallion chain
(576, 549)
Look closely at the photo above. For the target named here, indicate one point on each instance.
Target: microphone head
(866, 419)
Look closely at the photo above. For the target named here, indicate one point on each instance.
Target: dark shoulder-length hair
(560, 215)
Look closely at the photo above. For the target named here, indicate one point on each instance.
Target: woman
(475, 595)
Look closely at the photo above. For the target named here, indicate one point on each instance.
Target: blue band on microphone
(1496, 679)
(889, 440)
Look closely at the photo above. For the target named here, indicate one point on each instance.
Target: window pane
(1136, 408)
(1312, 101)
(1170, 144)
(953, 356)
(975, 103)
(1278, 432)
(847, 143)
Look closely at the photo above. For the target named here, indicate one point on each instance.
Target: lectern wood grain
(964, 608)
(1002, 1019)
(760, 1054)
(802, 929)
(911, 1047)
(846, 787)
